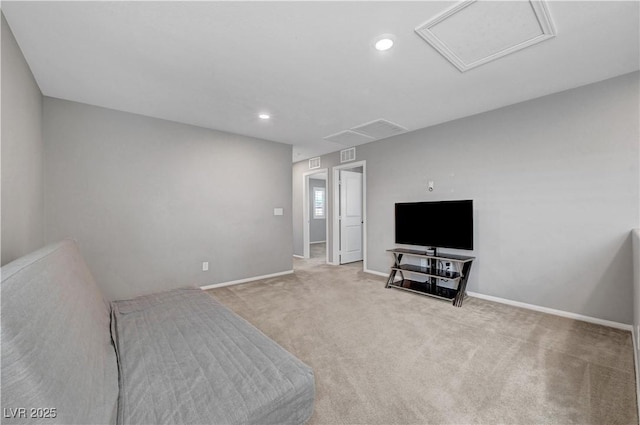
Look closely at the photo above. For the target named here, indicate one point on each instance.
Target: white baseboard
(298, 256)
(595, 320)
(249, 279)
(547, 310)
(636, 362)
(376, 273)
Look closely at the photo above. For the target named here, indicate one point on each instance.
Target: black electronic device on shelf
(441, 224)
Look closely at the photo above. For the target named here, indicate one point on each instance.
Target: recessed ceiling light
(384, 42)
(264, 116)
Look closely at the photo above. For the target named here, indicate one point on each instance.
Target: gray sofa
(69, 356)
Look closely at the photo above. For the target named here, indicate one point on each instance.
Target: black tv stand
(434, 271)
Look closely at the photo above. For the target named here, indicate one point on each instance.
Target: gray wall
(22, 154)
(149, 200)
(555, 182)
(317, 226)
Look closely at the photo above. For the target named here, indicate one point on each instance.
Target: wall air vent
(347, 155)
(348, 137)
(380, 129)
(472, 33)
(314, 163)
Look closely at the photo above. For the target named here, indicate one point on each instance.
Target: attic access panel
(472, 33)
(379, 129)
(349, 137)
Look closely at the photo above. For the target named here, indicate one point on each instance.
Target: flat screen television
(443, 224)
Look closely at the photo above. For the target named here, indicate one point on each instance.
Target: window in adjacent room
(318, 202)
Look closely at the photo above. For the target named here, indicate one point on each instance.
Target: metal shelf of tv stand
(434, 274)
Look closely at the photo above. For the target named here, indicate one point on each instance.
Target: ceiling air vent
(380, 129)
(347, 155)
(314, 163)
(349, 137)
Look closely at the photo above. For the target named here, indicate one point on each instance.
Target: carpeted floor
(384, 356)
(318, 251)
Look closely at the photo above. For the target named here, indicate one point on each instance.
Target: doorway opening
(315, 229)
(349, 241)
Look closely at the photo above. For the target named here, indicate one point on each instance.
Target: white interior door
(350, 216)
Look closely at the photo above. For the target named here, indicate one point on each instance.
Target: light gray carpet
(384, 356)
(318, 251)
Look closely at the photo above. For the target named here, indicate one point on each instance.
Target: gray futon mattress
(185, 358)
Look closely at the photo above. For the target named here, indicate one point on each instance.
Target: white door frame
(306, 213)
(335, 240)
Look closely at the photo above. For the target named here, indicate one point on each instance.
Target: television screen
(444, 224)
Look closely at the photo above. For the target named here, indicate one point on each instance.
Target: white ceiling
(311, 65)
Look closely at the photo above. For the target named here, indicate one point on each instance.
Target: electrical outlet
(205, 266)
